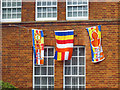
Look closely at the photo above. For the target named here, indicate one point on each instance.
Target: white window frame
(77, 69)
(77, 18)
(43, 19)
(44, 66)
(11, 20)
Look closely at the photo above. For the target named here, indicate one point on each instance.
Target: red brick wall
(103, 11)
(17, 46)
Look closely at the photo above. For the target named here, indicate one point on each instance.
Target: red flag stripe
(63, 56)
(63, 49)
(64, 41)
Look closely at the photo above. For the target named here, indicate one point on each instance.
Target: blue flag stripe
(64, 33)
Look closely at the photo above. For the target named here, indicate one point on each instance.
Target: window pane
(54, 14)
(75, 8)
(67, 62)
(3, 4)
(54, 9)
(67, 70)
(45, 61)
(18, 3)
(3, 11)
(50, 71)
(79, 13)
(68, 87)
(44, 15)
(81, 52)
(74, 61)
(67, 81)
(81, 60)
(69, 14)
(74, 70)
(85, 13)
(81, 70)
(9, 10)
(39, 15)
(3, 16)
(50, 61)
(84, 1)
(13, 3)
(49, 9)
(50, 80)
(45, 51)
(79, 1)
(14, 15)
(69, 2)
(39, 9)
(39, 3)
(74, 2)
(37, 70)
(37, 87)
(49, 14)
(43, 87)
(14, 10)
(43, 81)
(50, 52)
(8, 4)
(69, 9)
(18, 15)
(82, 87)
(43, 70)
(44, 9)
(37, 80)
(74, 80)
(9, 16)
(84, 7)
(44, 3)
(18, 9)
(80, 8)
(54, 3)
(81, 80)
(48, 3)
(74, 14)
(75, 51)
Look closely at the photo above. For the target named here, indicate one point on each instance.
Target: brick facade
(17, 45)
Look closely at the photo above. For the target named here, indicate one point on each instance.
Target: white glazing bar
(78, 65)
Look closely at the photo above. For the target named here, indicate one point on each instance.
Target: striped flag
(95, 43)
(38, 46)
(64, 45)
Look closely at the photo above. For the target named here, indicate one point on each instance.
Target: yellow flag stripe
(59, 56)
(64, 37)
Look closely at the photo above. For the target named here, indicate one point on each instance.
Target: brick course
(17, 46)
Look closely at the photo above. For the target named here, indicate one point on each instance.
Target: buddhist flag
(38, 46)
(95, 43)
(64, 45)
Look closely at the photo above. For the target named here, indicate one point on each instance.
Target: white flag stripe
(64, 45)
(66, 55)
(38, 61)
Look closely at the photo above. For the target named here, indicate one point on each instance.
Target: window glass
(44, 74)
(77, 9)
(11, 10)
(74, 69)
(46, 10)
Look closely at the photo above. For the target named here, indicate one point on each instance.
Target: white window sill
(11, 20)
(46, 19)
(76, 18)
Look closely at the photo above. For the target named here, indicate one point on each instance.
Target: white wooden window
(11, 10)
(46, 10)
(77, 9)
(74, 69)
(43, 75)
